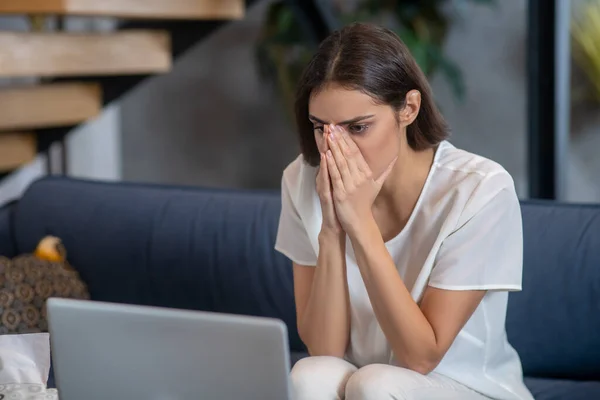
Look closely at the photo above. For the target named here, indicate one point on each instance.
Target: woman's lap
(319, 378)
(330, 378)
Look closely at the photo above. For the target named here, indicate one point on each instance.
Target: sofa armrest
(7, 243)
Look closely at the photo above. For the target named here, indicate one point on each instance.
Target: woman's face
(373, 127)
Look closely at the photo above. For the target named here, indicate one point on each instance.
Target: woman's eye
(358, 129)
(318, 129)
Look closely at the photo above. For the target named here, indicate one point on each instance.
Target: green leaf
(418, 48)
(285, 20)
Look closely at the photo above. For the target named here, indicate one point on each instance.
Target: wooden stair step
(16, 149)
(47, 106)
(149, 9)
(133, 52)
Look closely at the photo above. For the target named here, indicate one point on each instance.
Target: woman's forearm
(325, 324)
(407, 329)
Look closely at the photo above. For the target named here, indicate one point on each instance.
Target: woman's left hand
(354, 188)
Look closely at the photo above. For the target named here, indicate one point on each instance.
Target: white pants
(330, 378)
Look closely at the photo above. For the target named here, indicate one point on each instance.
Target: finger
(324, 175)
(326, 130)
(323, 152)
(339, 158)
(336, 178)
(325, 146)
(350, 154)
(353, 149)
(379, 181)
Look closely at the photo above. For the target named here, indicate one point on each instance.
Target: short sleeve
(292, 238)
(485, 252)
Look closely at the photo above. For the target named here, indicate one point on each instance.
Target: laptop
(112, 351)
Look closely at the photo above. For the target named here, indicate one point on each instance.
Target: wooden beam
(16, 149)
(147, 9)
(47, 106)
(76, 54)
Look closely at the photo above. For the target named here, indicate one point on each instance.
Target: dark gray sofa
(209, 249)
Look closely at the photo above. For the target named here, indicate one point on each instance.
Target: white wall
(94, 149)
(211, 121)
(13, 186)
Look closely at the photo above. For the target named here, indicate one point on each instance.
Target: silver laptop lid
(113, 351)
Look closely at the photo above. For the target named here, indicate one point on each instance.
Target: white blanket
(26, 391)
(24, 367)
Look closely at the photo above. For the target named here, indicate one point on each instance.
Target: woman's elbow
(422, 368)
(423, 364)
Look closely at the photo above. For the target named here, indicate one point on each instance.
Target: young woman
(404, 247)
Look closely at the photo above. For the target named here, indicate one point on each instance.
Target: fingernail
(329, 153)
(332, 135)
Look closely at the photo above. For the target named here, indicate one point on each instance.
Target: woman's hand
(330, 224)
(354, 188)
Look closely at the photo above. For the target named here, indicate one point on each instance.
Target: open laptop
(113, 351)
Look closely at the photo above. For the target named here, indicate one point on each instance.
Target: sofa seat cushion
(555, 389)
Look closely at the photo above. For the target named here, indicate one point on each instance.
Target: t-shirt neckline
(421, 197)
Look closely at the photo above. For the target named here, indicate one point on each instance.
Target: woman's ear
(409, 113)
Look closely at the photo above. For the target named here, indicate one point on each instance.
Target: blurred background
(198, 92)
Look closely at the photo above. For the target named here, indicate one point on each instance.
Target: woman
(404, 247)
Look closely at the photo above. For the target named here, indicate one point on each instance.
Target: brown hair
(374, 60)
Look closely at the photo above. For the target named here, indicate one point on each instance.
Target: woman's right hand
(330, 224)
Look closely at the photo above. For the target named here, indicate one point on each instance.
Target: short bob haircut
(375, 61)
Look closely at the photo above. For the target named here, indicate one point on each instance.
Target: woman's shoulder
(472, 178)
(462, 163)
(299, 177)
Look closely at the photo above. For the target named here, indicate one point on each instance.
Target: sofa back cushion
(554, 323)
(7, 245)
(185, 248)
(212, 250)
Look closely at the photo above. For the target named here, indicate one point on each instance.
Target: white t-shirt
(465, 233)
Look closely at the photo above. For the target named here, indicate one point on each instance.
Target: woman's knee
(387, 382)
(320, 378)
(380, 382)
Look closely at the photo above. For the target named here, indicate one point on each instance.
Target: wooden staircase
(42, 106)
(75, 54)
(148, 9)
(77, 73)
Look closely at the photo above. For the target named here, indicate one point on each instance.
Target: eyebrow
(347, 122)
